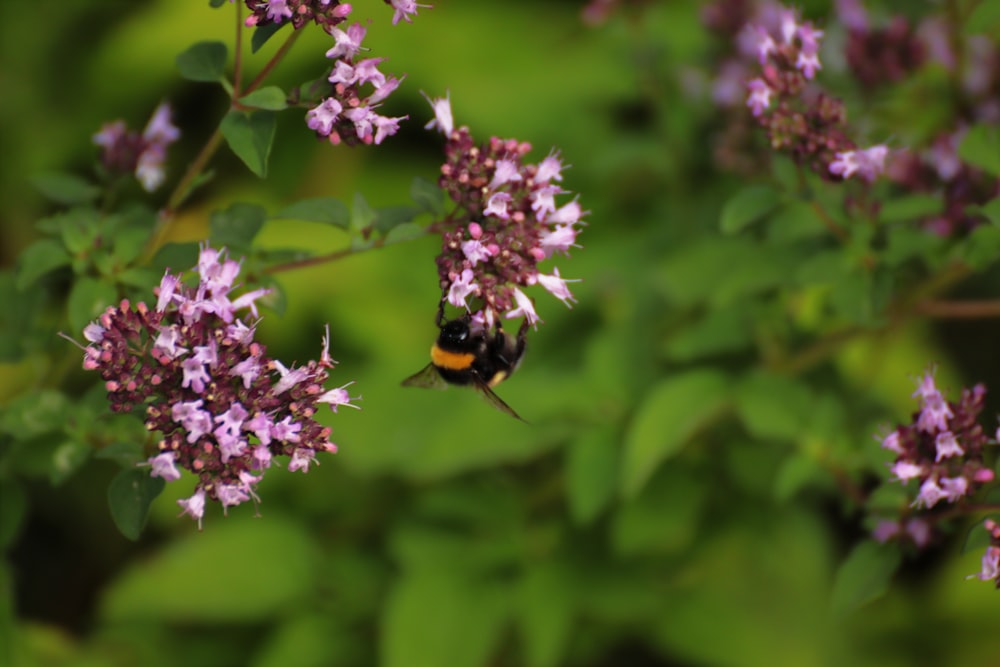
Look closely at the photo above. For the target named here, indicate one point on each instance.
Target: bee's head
(455, 332)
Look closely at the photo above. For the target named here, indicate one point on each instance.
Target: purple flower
(442, 114)
(508, 219)
(143, 155)
(760, 96)
(403, 10)
(946, 445)
(194, 369)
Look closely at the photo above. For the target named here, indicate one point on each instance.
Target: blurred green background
(445, 533)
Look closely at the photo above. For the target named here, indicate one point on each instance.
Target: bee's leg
(440, 313)
(522, 337)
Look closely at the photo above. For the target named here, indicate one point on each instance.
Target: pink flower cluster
(225, 410)
(799, 118)
(506, 223)
(127, 152)
(942, 450)
(348, 114)
(990, 570)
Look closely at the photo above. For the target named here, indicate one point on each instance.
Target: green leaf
(388, 218)
(727, 329)
(129, 496)
(797, 473)
(204, 61)
(65, 188)
(79, 228)
(991, 210)
(262, 34)
(325, 210)
(672, 412)
(67, 459)
(909, 207)
(462, 630)
(34, 413)
(591, 472)
(984, 19)
(121, 452)
(362, 214)
(978, 538)
(167, 588)
(175, 257)
(981, 249)
(906, 242)
(271, 98)
(773, 406)
(747, 207)
(87, 299)
(864, 576)
(250, 136)
(38, 259)
(428, 196)
(407, 231)
(13, 507)
(545, 614)
(236, 226)
(981, 147)
(127, 244)
(215, 4)
(665, 518)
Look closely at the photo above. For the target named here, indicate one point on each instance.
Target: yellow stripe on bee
(455, 361)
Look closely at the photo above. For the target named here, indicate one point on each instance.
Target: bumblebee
(464, 357)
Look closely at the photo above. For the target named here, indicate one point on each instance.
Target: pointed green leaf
(864, 576)
(204, 61)
(545, 614)
(87, 299)
(38, 259)
(129, 496)
(747, 207)
(236, 226)
(591, 472)
(984, 18)
(978, 538)
(670, 415)
(981, 147)
(405, 232)
(463, 629)
(65, 188)
(773, 406)
(428, 196)
(325, 210)
(271, 98)
(34, 413)
(250, 136)
(262, 34)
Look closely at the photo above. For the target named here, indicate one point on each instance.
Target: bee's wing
(427, 377)
(495, 400)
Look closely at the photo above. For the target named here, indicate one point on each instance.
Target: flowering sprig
(506, 222)
(806, 123)
(325, 13)
(127, 152)
(990, 570)
(347, 114)
(224, 409)
(942, 449)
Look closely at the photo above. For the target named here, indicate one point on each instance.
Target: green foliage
(864, 576)
(129, 496)
(204, 61)
(250, 136)
(671, 414)
(699, 472)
